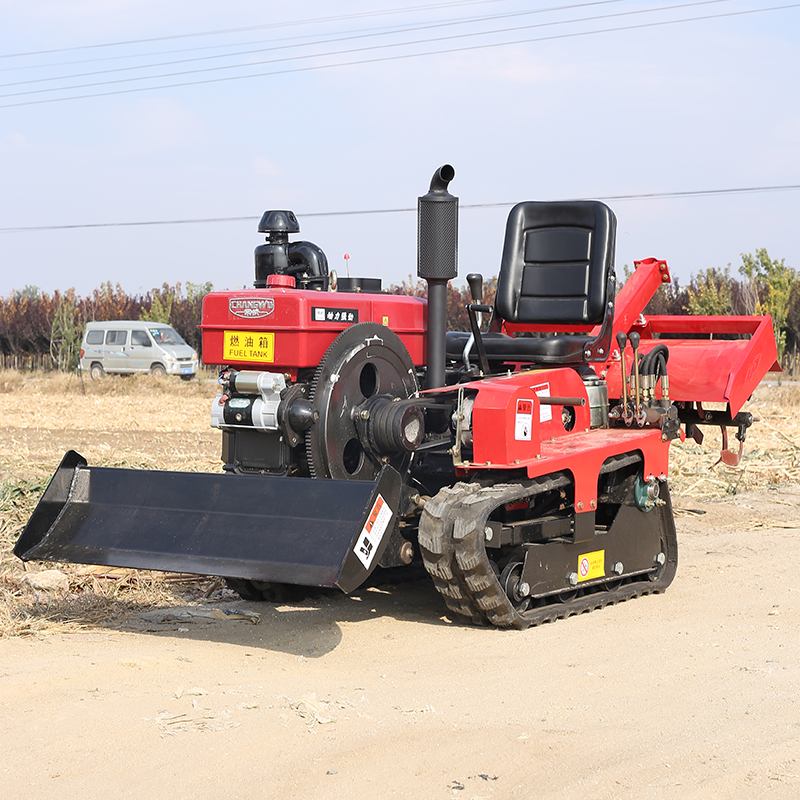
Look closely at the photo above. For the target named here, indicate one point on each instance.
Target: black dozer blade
(286, 530)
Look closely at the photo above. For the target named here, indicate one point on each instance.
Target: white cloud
(155, 124)
(264, 166)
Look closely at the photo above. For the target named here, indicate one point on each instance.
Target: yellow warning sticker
(592, 565)
(248, 346)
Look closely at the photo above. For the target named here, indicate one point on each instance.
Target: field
(381, 694)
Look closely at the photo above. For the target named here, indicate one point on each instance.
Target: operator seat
(557, 269)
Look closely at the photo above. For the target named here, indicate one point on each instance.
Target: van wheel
(158, 370)
(97, 372)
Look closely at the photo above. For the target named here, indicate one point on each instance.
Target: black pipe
(441, 178)
(437, 263)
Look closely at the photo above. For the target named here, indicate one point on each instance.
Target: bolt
(587, 353)
(593, 504)
(580, 505)
(662, 267)
(618, 568)
(407, 552)
(572, 578)
(365, 414)
(524, 589)
(601, 351)
(662, 477)
(660, 559)
(665, 278)
(488, 533)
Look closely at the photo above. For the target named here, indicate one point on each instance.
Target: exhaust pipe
(437, 263)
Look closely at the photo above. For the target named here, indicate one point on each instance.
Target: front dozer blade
(286, 530)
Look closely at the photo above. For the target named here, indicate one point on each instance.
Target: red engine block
(285, 329)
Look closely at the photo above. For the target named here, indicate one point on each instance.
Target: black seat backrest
(556, 263)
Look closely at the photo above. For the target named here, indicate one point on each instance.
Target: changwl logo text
(251, 307)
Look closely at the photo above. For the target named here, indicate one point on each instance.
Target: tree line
(49, 327)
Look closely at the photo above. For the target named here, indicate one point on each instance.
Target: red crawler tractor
(525, 466)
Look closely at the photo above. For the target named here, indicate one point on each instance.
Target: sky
(350, 107)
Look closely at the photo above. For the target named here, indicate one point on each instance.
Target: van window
(94, 337)
(116, 337)
(166, 336)
(141, 338)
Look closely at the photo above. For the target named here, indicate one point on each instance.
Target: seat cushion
(524, 349)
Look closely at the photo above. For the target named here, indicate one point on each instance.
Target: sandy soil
(691, 694)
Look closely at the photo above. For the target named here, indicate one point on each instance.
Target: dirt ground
(691, 694)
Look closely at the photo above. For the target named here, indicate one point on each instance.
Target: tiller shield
(300, 531)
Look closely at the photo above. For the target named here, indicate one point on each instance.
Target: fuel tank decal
(249, 346)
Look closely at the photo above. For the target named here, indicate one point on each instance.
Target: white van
(133, 346)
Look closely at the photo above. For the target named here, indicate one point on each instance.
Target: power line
(395, 57)
(371, 211)
(374, 31)
(223, 31)
(369, 48)
(351, 35)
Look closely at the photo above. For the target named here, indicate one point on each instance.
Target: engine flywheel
(364, 360)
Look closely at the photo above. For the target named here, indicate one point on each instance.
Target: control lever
(622, 340)
(635, 338)
(475, 281)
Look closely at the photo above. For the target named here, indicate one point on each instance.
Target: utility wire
(365, 212)
(382, 59)
(224, 31)
(369, 48)
(375, 31)
(351, 36)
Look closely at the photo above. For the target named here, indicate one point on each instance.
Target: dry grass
(771, 453)
(152, 423)
(136, 421)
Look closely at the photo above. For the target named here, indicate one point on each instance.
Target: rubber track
(451, 538)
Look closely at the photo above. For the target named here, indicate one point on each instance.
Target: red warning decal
(523, 421)
(373, 531)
